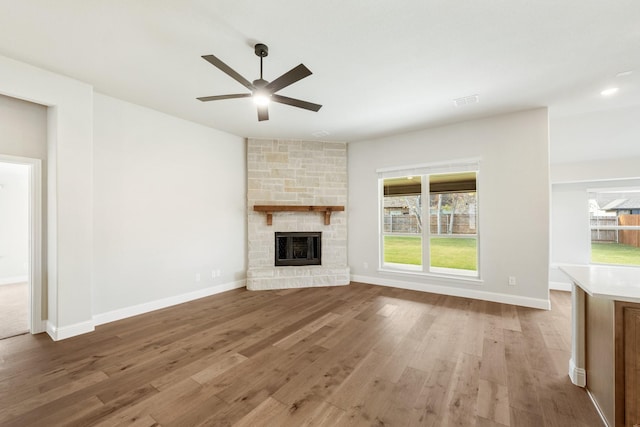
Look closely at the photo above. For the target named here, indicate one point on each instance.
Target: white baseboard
(560, 286)
(543, 304)
(123, 313)
(65, 332)
(577, 375)
(14, 279)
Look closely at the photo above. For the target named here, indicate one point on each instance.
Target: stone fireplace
(296, 173)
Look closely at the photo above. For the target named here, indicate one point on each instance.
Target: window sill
(409, 272)
(602, 264)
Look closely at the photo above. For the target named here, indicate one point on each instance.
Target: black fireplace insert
(298, 248)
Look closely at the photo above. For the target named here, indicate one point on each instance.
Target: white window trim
(408, 272)
(610, 227)
(615, 227)
(424, 171)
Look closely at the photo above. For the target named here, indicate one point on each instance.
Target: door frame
(36, 322)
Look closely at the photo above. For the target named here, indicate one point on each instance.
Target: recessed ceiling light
(624, 73)
(609, 92)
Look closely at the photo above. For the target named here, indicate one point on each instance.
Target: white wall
(69, 161)
(513, 203)
(14, 223)
(169, 203)
(607, 134)
(186, 190)
(23, 128)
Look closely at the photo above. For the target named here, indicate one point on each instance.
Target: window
(438, 236)
(614, 216)
(453, 233)
(403, 222)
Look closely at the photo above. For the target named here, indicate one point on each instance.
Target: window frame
(425, 171)
(592, 228)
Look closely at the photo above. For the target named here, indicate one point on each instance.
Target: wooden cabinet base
(627, 371)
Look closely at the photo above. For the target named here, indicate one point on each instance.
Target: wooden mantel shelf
(270, 209)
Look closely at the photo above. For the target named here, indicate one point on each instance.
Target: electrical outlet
(365, 265)
(512, 280)
(218, 273)
(197, 277)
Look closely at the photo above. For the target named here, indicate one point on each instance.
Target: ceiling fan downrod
(261, 50)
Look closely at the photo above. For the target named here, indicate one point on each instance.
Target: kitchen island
(605, 340)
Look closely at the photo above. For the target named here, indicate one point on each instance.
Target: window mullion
(426, 225)
(382, 232)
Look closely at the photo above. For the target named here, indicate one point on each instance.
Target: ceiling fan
(263, 91)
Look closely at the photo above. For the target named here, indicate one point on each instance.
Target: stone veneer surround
(296, 173)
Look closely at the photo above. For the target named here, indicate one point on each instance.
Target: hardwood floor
(358, 355)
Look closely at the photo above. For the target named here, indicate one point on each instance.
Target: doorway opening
(20, 247)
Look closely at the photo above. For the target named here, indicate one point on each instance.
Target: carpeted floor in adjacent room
(14, 309)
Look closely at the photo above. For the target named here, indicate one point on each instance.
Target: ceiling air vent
(320, 133)
(466, 100)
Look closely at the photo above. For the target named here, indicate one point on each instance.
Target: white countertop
(615, 283)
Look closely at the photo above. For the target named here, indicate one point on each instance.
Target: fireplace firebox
(298, 248)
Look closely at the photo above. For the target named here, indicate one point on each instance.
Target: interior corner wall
(169, 209)
(514, 192)
(69, 187)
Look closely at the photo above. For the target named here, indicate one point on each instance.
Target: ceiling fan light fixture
(261, 97)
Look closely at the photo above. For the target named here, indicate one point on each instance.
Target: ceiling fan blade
(263, 113)
(290, 77)
(296, 102)
(230, 71)
(218, 97)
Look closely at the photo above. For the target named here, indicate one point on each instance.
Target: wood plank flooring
(357, 355)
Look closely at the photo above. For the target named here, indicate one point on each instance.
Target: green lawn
(445, 252)
(403, 249)
(615, 253)
(461, 253)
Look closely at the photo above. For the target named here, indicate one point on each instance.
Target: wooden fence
(409, 224)
(629, 237)
(604, 235)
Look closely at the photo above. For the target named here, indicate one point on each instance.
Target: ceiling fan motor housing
(261, 50)
(260, 83)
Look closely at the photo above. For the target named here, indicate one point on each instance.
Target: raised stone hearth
(296, 173)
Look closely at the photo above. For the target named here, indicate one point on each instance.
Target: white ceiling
(379, 67)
